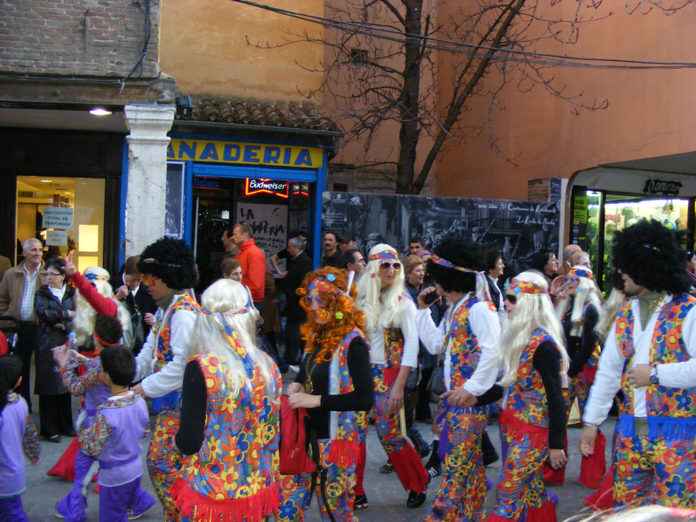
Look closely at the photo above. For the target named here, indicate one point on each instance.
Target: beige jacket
(11, 290)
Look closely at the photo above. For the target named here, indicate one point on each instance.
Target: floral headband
(385, 255)
(525, 287)
(440, 261)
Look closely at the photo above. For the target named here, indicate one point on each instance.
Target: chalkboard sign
(519, 228)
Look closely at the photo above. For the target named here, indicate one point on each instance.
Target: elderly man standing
(17, 291)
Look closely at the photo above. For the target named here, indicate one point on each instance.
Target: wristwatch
(653, 375)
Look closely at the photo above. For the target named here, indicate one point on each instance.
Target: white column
(147, 173)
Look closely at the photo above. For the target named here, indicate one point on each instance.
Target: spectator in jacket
(253, 262)
(5, 265)
(55, 309)
(332, 254)
(299, 265)
(17, 291)
(140, 304)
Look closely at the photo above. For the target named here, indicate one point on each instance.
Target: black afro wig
(171, 261)
(650, 254)
(460, 253)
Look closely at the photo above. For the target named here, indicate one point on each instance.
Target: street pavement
(386, 497)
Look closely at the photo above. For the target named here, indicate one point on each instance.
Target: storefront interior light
(99, 111)
(46, 181)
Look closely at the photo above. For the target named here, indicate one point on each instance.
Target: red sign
(256, 186)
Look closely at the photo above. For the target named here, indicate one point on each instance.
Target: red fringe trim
(539, 436)
(603, 498)
(65, 467)
(545, 513)
(409, 468)
(553, 477)
(492, 517)
(588, 374)
(343, 453)
(390, 375)
(592, 468)
(200, 508)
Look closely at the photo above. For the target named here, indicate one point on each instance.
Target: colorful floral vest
(463, 344)
(393, 352)
(238, 463)
(667, 346)
(163, 350)
(345, 427)
(527, 397)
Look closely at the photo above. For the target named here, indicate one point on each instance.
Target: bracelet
(654, 379)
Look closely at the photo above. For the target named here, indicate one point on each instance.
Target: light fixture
(46, 181)
(99, 111)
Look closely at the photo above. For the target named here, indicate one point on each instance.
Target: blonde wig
(381, 308)
(225, 305)
(85, 315)
(585, 291)
(532, 311)
(611, 307)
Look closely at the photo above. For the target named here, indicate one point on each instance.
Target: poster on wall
(174, 205)
(268, 223)
(519, 229)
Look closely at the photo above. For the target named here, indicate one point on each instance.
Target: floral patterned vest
(463, 344)
(393, 352)
(238, 463)
(667, 346)
(527, 397)
(345, 427)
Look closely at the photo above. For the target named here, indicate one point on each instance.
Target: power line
(383, 32)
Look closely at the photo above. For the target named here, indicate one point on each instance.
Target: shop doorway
(66, 214)
(272, 208)
(597, 215)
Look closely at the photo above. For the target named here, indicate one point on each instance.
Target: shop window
(66, 214)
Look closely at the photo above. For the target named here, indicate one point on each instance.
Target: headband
(385, 255)
(105, 343)
(448, 264)
(525, 287)
(581, 272)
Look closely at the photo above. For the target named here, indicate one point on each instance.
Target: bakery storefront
(273, 186)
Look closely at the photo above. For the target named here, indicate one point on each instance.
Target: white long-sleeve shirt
(171, 376)
(485, 326)
(408, 330)
(608, 378)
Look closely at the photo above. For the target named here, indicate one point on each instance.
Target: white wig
(532, 311)
(585, 291)
(612, 305)
(86, 316)
(225, 304)
(381, 308)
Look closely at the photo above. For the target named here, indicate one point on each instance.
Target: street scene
(342, 260)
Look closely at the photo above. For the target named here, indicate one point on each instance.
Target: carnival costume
(534, 413)
(469, 335)
(162, 359)
(336, 367)
(393, 339)
(655, 460)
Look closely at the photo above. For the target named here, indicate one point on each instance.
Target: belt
(115, 463)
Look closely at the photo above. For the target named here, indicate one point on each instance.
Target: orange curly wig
(338, 315)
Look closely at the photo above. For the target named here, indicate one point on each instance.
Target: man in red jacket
(253, 262)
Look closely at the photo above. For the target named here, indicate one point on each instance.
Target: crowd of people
(245, 424)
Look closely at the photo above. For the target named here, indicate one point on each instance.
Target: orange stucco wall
(203, 44)
(650, 113)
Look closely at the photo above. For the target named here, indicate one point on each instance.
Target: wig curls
(171, 261)
(650, 254)
(462, 254)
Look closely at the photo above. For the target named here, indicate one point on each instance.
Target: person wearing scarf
(650, 355)
(468, 335)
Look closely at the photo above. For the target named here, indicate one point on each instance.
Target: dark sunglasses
(387, 265)
(511, 298)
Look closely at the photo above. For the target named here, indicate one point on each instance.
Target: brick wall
(78, 37)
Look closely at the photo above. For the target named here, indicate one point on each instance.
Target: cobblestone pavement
(387, 499)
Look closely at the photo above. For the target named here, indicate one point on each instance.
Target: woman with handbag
(335, 387)
(229, 416)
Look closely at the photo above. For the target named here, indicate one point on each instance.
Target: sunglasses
(511, 298)
(387, 266)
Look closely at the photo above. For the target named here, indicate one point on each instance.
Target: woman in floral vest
(229, 416)
(335, 385)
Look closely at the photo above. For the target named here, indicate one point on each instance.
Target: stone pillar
(147, 173)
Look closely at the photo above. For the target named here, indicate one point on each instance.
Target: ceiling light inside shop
(46, 181)
(99, 111)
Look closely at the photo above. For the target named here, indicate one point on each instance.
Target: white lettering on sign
(58, 217)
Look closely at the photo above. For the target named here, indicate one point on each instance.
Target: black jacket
(298, 268)
(139, 305)
(54, 325)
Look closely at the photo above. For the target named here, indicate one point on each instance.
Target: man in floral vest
(650, 355)
(169, 273)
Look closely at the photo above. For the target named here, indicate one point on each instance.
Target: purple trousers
(116, 502)
(73, 506)
(11, 509)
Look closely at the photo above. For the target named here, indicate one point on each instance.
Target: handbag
(294, 458)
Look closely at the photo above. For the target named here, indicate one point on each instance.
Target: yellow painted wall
(203, 44)
(650, 113)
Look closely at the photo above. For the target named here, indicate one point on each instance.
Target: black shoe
(360, 502)
(415, 499)
(53, 438)
(386, 468)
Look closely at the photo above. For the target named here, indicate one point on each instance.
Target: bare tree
(384, 66)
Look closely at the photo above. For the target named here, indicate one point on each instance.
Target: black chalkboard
(519, 228)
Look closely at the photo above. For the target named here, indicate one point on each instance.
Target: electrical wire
(383, 32)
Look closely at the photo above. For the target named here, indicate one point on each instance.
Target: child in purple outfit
(114, 439)
(17, 434)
